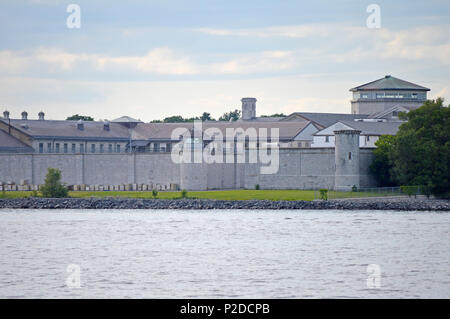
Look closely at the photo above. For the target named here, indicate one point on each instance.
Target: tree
(77, 117)
(421, 153)
(53, 187)
(206, 117)
(232, 115)
(174, 119)
(275, 115)
(381, 167)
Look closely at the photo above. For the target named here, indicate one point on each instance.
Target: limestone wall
(305, 168)
(91, 169)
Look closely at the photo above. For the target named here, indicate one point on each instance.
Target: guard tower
(248, 108)
(346, 159)
(386, 93)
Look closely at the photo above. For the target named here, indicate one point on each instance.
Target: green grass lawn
(241, 194)
(227, 194)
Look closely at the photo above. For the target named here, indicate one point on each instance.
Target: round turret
(346, 159)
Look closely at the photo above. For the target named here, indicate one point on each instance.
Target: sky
(153, 59)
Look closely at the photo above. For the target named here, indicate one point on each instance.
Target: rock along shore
(402, 204)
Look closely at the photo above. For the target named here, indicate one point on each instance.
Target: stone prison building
(314, 150)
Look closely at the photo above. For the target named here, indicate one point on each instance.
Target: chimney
(41, 115)
(106, 125)
(24, 115)
(6, 115)
(248, 108)
(80, 125)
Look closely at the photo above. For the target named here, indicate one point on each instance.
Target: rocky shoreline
(401, 204)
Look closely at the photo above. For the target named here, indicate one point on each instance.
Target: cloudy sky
(151, 59)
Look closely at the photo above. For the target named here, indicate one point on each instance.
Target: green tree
(192, 119)
(231, 116)
(77, 117)
(381, 167)
(53, 187)
(206, 117)
(275, 115)
(421, 153)
(174, 119)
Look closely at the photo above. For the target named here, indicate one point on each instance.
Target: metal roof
(382, 114)
(374, 128)
(69, 129)
(163, 131)
(326, 119)
(389, 83)
(263, 119)
(9, 143)
(126, 119)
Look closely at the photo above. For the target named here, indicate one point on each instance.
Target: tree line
(420, 152)
(227, 116)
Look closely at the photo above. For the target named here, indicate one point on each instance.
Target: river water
(224, 254)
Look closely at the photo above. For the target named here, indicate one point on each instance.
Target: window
(110, 149)
(92, 148)
(169, 147)
(350, 155)
(367, 138)
(65, 148)
(327, 139)
(395, 113)
(49, 147)
(74, 147)
(57, 148)
(41, 147)
(101, 148)
(118, 148)
(81, 148)
(156, 147)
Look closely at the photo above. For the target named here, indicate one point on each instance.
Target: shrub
(183, 193)
(410, 190)
(34, 194)
(154, 193)
(323, 194)
(257, 186)
(354, 188)
(53, 187)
